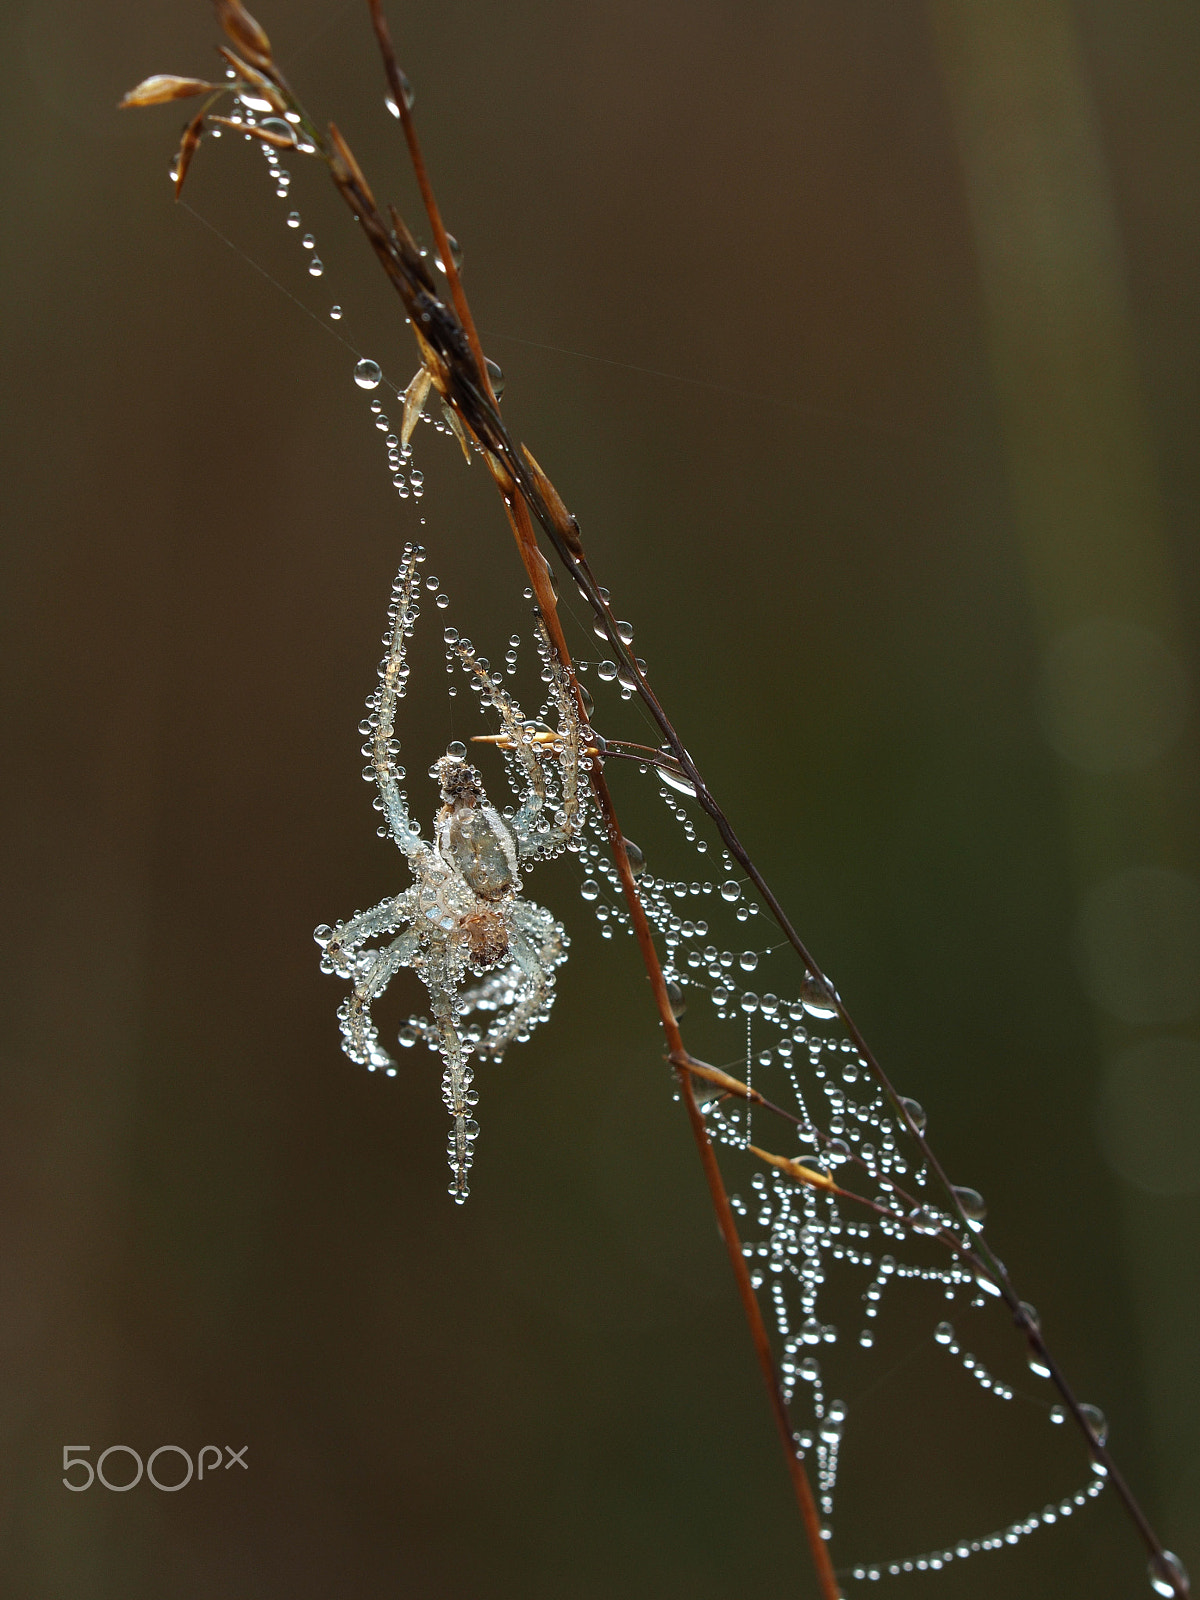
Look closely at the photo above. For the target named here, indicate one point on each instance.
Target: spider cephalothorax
(464, 912)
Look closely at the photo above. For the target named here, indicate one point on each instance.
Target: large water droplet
(731, 891)
(916, 1112)
(637, 861)
(293, 219)
(457, 749)
(973, 1207)
(944, 1333)
(316, 267)
(681, 785)
(496, 375)
(675, 999)
(335, 313)
(748, 960)
(367, 374)
(1168, 1576)
(815, 998)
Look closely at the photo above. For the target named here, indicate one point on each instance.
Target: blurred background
(862, 340)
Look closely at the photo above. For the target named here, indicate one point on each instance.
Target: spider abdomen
(487, 938)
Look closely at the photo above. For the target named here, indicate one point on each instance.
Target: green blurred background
(862, 339)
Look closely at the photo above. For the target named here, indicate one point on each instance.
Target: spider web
(852, 1283)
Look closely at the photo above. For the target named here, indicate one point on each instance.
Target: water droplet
(731, 891)
(456, 254)
(606, 671)
(1058, 1414)
(973, 1207)
(589, 889)
(1096, 1421)
(680, 785)
(308, 241)
(335, 313)
(496, 375)
(748, 960)
(675, 999)
(916, 1112)
(442, 601)
(815, 998)
(315, 267)
(275, 125)
(1168, 1576)
(367, 374)
(293, 219)
(944, 1333)
(637, 861)
(457, 749)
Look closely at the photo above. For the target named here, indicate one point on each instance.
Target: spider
(464, 913)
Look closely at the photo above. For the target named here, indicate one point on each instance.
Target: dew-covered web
(844, 1277)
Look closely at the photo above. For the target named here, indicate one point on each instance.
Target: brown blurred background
(879, 424)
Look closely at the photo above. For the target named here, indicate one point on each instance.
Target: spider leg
(532, 757)
(375, 970)
(568, 816)
(340, 943)
(538, 945)
(456, 1086)
(383, 746)
(527, 753)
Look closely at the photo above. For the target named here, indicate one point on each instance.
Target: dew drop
(680, 785)
(1058, 1414)
(293, 219)
(944, 1333)
(675, 999)
(1168, 1576)
(308, 242)
(1096, 1421)
(748, 960)
(456, 254)
(456, 749)
(916, 1112)
(496, 376)
(367, 374)
(606, 671)
(973, 1207)
(316, 267)
(637, 861)
(731, 891)
(335, 313)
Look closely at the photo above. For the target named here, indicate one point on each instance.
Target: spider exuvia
(464, 913)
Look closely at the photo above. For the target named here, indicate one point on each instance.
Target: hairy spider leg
(393, 679)
(567, 754)
(346, 937)
(456, 1083)
(531, 757)
(538, 945)
(359, 1033)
